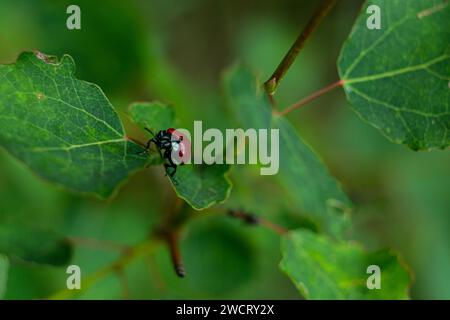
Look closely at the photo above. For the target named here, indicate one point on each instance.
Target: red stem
(311, 97)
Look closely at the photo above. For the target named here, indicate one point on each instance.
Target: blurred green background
(176, 51)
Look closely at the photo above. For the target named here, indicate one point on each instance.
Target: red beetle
(173, 146)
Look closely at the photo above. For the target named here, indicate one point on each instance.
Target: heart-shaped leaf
(398, 77)
(63, 128)
(323, 269)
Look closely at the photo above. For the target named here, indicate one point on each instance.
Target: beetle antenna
(147, 129)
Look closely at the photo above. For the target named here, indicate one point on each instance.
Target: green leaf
(199, 185)
(202, 185)
(304, 177)
(398, 78)
(63, 128)
(4, 266)
(323, 269)
(245, 98)
(34, 245)
(152, 115)
(307, 182)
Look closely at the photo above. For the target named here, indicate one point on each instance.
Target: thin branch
(174, 248)
(173, 220)
(168, 233)
(125, 259)
(98, 244)
(272, 84)
(273, 226)
(310, 98)
(252, 219)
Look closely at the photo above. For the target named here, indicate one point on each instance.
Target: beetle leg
(160, 154)
(168, 166)
(147, 147)
(168, 156)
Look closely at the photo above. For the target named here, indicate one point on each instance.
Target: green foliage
(302, 174)
(200, 186)
(218, 256)
(4, 266)
(246, 100)
(63, 128)
(397, 78)
(308, 184)
(67, 132)
(34, 244)
(152, 115)
(323, 269)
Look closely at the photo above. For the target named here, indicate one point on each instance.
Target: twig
(138, 250)
(98, 244)
(272, 226)
(272, 83)
(252, 219)
(174, 248)
(310, 98)
(175, 217)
